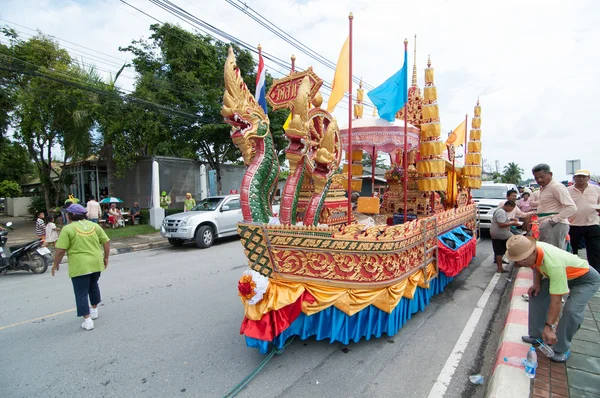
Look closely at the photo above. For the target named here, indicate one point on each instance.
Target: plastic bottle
(515, 361)
(547, 350)
(476, 379)
(531, 363)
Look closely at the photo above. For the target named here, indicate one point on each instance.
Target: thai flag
(260, 95)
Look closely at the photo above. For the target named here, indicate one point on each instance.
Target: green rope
(236, 390)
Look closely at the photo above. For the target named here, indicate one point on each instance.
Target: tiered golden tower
(471, 175)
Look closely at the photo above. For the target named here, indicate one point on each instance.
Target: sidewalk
(23, 232)
(578, 378)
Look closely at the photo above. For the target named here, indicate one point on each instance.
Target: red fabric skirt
(451, 262)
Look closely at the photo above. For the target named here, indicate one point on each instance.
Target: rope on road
(253, 374)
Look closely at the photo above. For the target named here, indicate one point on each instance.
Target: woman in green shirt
(188, 203)
(87, 248)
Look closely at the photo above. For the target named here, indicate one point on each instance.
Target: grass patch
(134, 230)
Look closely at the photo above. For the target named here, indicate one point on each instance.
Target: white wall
(17, 207)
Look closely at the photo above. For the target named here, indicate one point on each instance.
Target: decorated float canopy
(385, 136)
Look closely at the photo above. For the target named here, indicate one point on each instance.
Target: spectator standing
(500, 231)
(525, 203)
(94, 213)
(40, 226)
(189, 202)
(555, 206)
(584, 223)
(165, 200)
(51, 231)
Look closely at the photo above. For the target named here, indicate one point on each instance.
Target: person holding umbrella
(87, 248)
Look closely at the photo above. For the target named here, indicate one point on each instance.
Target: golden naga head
(247, 118)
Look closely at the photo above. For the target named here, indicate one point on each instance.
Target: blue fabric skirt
(335, 325)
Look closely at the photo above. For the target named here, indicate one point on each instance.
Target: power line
(256, 16)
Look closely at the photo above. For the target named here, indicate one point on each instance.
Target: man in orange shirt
(554, 208)
(584, 223)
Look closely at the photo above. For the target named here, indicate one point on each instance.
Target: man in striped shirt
(40, 226)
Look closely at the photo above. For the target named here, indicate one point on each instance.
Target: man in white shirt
(94, 213)
(584, 223)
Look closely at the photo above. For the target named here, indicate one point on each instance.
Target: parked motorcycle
(26, 257)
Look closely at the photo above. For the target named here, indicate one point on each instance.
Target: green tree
(9, 189)
(49, 113)
(380, 163)
(512, 173)
(15, 163)
(183, 70)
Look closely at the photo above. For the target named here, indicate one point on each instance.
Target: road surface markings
(36, 319)
(445, 376)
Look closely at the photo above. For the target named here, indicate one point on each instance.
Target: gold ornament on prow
(359, 107)
(317, 100)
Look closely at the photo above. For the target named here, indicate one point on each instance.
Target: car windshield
(489, 192)
(208, 204)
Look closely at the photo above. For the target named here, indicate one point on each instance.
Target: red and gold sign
(283, 92)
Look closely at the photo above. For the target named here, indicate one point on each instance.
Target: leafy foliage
(15, 163)
(512, 173)
(9, 189)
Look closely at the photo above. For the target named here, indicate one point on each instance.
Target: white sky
(532, 63)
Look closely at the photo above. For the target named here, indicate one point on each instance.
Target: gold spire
(429, 60)
(414, 75)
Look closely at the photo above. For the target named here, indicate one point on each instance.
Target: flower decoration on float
(252, 286)
(395, 173)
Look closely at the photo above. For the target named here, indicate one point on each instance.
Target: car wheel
(175, 242)
(204, 237)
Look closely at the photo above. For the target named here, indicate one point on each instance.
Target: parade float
(315, 270)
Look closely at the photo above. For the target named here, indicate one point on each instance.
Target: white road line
(443, 381)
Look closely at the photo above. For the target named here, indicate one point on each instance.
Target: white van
(487, 198)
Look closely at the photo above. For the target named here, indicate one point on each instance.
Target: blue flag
(391, 96)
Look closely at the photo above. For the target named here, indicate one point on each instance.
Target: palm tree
(512, 173)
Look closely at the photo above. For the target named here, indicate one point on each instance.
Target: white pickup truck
(213, 217)
(487, 198)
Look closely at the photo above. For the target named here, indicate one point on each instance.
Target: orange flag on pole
(458, 135)
(341, 79)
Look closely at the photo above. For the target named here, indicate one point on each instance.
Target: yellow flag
(287, 122)
(458, 135)
(341, 79)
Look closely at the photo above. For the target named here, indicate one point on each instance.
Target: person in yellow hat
(189, 202)
(556, 273)
(165, 200)
(584, 223)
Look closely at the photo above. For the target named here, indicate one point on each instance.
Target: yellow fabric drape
(341, 78)
(452, 191)
(431, 111)
(474, 146)
(470, 170)
(431, 166)
(471, 182)
(476, 123)
(428, 75)
(429, 130)
(475, 135)
(430, 94)
(473, 158)
(477, 110)
(432, 184)
(431, 148)
(281, 293)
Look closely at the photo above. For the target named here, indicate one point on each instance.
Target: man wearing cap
(555, 273)
(584, 223)
(165, 201)
(555, 206)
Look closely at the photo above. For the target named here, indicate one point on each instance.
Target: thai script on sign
(283, 92)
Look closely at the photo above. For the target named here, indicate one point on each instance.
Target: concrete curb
(132, 248)
(510, 381)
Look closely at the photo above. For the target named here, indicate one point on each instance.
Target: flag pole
(405, 149)
(373, 161)
(350, 18)
(466, 124)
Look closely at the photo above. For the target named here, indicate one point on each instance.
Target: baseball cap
(76, 209)
(582, 173)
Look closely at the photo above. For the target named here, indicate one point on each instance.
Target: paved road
(169, 327)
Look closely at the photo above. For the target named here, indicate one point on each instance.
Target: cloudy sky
(532, 63)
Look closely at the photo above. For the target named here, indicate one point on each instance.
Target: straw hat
(582, 173)
(519, 247)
